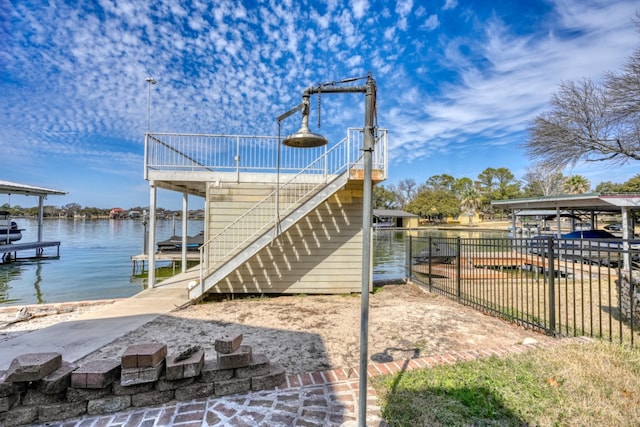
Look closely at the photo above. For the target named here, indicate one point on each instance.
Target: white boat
(9, 231)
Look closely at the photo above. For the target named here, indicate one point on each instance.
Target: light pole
(305, 138)
(150, 81)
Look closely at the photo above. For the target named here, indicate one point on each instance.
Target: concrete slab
(93, 330)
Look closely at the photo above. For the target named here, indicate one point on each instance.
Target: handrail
(257, 220)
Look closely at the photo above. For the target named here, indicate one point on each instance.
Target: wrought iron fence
(564, 287)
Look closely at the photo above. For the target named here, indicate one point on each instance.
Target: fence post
(429, 243)
(458, 270)
(552, 286)
(409, 263)
(632, 294)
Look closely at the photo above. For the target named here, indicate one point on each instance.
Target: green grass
(567, 385)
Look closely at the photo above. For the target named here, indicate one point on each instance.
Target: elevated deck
(11, 251)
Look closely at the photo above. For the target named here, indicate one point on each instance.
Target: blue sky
(458, 80)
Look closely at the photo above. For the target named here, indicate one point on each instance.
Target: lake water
(95, 259)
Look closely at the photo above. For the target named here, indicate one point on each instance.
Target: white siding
(322, 253)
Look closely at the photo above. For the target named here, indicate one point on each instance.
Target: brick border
(340, 375)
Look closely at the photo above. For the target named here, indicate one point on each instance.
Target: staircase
(194, 163)
(274, 215)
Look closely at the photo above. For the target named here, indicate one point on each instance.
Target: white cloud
(360, 8)
(450, 4)
(432, 23)
(233, 67)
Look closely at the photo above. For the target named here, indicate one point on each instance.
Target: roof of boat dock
(603, 202)
(8, 187)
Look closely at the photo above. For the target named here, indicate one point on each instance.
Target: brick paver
(326, 399)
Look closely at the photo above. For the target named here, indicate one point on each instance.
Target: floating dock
(11, 251)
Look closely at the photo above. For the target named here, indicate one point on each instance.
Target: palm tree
(576, 184)
(470, 197)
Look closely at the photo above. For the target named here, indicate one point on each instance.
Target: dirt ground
(315, 333)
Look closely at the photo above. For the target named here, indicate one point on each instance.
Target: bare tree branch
(583, 125)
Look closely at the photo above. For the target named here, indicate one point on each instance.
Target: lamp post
(150, 81)
(305, 138)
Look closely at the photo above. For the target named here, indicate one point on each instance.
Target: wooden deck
(12, 251)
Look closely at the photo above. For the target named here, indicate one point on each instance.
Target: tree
(71, 208)
(576, 184)
(442, 182)
(580, 127)
(542, 180)
(430, 204)
(405, 191)
(470, 199)
(608, 187)
(383, 198)
(625, 90)
(590, 122)
(630, 186)
(496, 184)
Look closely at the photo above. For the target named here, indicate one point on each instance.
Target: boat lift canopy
(624, 203)
(8, 187)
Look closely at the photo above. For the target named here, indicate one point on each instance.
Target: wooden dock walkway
(10, 252)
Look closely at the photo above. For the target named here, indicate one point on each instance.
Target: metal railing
(287, 197)
(564, 287)
(171, 152)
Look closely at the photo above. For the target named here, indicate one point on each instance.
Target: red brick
(146, 355)
(228, 343)
(96, 374)
(317, 378)
(383, 368)
(331, 376)
(294, 381)
(33, 366)
(341, 374)
(413, 364)
(238, 359)
(306, 380)
(186, 368)
(57, 381)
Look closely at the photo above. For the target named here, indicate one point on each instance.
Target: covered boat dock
(10, 251)
(627, 205)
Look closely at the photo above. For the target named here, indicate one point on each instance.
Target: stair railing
(289, 195)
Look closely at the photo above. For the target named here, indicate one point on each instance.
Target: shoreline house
(278, 219)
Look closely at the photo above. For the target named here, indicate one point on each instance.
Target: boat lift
(9, 252)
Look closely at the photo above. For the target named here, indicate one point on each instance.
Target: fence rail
(564, 287)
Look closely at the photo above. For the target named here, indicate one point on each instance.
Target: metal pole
(152, 235)
(185, 214)
(367, 213)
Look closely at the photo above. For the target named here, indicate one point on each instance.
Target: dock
(139, 261)
(11, 252)
(495, 267)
